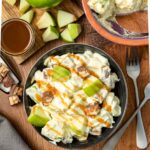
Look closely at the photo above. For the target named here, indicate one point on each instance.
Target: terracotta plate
(138, 40)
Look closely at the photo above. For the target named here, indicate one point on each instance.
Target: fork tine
(136, 57)
(127, 56)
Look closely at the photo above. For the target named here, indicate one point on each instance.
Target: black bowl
(120, 90)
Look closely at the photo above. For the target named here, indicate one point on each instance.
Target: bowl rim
(124, 80)
(111, 37)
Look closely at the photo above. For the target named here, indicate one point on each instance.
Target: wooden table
(17, 116)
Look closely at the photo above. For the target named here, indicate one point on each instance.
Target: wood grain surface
(17, 116)
(9, 12)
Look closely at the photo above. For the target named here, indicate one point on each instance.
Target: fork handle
(141, 139)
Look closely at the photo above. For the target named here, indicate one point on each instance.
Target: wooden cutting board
(9, 12)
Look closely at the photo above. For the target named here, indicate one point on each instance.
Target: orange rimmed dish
(139, 40)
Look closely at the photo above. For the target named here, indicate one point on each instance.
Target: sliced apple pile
(93, 87)
(38, 116)
(45, 21)
(50, 34)
(24, 6)
(28, 16)
(11, 2)
(64, 18)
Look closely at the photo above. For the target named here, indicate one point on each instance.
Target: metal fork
(113, 141)
(133, 71)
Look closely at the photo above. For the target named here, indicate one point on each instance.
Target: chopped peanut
(92, 109)
(83, 71)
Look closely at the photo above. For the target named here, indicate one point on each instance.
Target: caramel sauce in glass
(17, 37)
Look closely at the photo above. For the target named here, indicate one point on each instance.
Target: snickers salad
(107, 10)
(73, 97)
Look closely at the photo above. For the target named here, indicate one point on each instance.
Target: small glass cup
(31, 40)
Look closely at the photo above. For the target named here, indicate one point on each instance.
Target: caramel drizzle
(105, 122)
(50, 88)
(57, 132)
(73, 70)
(80, 106)
(107, 107)
(39, 98)
(100, 97)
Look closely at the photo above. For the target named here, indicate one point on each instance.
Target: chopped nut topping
(83, 71)
(14, 100)
(47, 97)
(92, 109)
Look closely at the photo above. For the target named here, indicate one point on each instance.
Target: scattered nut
(92, 109)
(47, 97)
(14, 100)
(83, 71)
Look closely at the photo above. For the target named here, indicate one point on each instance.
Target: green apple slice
(28, 16)
(38, 116)
(11, 2)
(93, 88)
(44, 3)
(45, 21)
(60, 73)
(50, 34)
(65, 35)
(64, 18)
(24, 6)
(74, 29)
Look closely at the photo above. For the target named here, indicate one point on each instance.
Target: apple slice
(11, 2)
(28, 16)
(38, 116)
(74, 29)
(44, 3)
(60, 73)
(93, 88)
(50, 34)
(45, 21)
(64, 18)
(24, 6)
(65, 35)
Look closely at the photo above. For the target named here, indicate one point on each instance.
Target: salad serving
(107, 10)
(73, 97)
